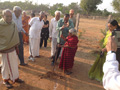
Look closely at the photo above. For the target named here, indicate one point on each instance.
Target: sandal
(7, 84)
(19, 81)
(68, 73)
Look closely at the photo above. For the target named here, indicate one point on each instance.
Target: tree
(89, 5)
(75, 7)
(97, 13)
(27, 5)
(105, 12)
(116, 5)
(58, 6)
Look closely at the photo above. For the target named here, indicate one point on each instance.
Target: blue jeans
(21, 53)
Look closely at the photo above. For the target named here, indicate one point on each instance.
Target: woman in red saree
(69, 50)
(25, 19)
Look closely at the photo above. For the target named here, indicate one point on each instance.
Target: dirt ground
(33, 74)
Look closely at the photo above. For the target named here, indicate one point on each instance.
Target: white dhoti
(34, 46)
(9, 64)
(53, 46)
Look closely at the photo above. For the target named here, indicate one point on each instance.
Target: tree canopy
(89, 5)
(116, 5)
(85, 7)
(28, 5)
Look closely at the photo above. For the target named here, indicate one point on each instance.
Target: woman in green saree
(96, 71)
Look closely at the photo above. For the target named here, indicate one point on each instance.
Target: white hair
(41, 13)
(6, 10)
(73, 31)
(23, 11)
(58, 12)
(16, 8)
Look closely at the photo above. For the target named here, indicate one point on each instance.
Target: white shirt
(18, 22)
(111, 78)
(36, 26)
(52, 28)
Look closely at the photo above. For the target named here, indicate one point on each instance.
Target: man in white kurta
(9, 40)
(36, 25)
(53, 33)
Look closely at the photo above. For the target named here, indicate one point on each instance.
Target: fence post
(77, 21)
(109, 18)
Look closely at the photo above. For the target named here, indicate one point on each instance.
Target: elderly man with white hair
(18, 21)
(53, 33)
(9, 40)
(36, 25)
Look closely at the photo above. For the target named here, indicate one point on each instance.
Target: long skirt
(67, 58)
(9, 63)
(96, 71)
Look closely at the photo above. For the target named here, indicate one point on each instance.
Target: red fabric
(68, 54)
(26, 28)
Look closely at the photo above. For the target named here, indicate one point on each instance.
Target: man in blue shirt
(18, 21)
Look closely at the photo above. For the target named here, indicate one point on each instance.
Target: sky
(105, 5)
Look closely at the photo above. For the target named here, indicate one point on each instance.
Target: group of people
(62, 36)
(16, 28)
(63, 39)
(106, 67)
